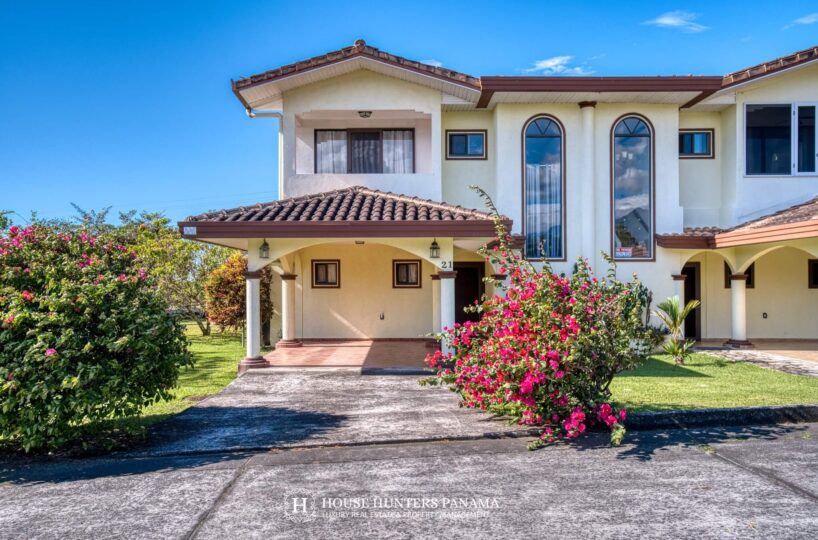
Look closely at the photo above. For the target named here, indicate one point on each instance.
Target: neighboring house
(695, 183)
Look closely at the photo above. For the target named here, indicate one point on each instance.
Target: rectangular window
(805, 139)
(370, 151)
(781, 139)
(769, 141)
(813, 273)
(750, 273)
(696, 143)
(326, 274)
(406, 274)
(466, 144)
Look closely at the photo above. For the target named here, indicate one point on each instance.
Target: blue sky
(128, 104)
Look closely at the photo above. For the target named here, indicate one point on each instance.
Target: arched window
(543, 189)
(632, 155)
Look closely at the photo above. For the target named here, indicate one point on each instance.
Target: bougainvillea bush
(545, 353)
(83, 336)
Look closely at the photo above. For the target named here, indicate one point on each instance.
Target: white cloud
(558, 65)
(812, 18)
(681, 20)
(432, 62)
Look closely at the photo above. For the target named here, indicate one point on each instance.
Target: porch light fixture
(434, 250)
(264, 250)
(364, 114)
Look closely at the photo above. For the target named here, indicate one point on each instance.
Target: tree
(673, 316)
(180, 267)
(225, 291)
(84, 335)
(5, 220)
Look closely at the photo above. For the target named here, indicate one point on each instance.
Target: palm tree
(673, 316)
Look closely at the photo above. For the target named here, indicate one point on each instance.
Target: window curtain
(331, 152)
(543, 193)
(398, 151)
(365, 152)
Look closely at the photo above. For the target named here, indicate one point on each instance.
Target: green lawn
(217, 358)
(708, 381)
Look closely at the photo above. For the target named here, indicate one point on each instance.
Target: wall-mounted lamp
(434, 250)
(264, 250)
(364, 114)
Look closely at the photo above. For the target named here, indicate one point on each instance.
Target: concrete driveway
(373, 457)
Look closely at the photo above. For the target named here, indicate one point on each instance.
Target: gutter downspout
(261, 113)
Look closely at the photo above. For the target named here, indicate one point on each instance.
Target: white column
(678, 291)
(586, 170)
(447, 302)
(435, 303)
(288, 338)
(738, 310)
(253, 322)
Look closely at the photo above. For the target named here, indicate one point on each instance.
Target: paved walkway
(754, 483)
(793, 361)
(284, 408)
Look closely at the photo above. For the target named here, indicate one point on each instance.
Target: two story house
(705, 186)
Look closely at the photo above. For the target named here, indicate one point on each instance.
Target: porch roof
(350, 212)
(793, 223)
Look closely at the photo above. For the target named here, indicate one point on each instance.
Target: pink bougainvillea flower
(27, 296)
(50, 351)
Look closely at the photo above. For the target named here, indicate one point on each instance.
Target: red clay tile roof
(784, 62)
(354, 204)
(798, 221)
(360, 48)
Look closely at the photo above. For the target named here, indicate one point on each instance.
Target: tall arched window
(543, 189)
(632, 154)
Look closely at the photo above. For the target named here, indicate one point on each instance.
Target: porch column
(586, 170)
(447, 302)
(435, 303)
(288, 338)
(738, 311)
(678, 291)
(253, 322)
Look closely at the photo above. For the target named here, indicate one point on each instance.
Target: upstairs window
(466, 144)
(371, 151)
(696, 143)
(632, 168)
(781, 139)
(812, 273)
(543, 188)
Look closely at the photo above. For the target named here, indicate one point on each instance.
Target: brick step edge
(736, 416)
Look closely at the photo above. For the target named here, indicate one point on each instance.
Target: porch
(364, 354)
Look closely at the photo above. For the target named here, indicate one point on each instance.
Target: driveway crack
(217, 502)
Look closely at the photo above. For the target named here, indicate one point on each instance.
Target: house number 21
(446, 265)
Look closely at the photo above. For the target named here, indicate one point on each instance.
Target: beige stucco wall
(459, 174)
(700, 179)
(780, 291)
(354, 309)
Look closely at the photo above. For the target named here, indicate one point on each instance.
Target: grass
(217, 357)
(708, 381)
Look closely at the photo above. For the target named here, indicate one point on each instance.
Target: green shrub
(84, 337)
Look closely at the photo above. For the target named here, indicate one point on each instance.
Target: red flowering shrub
(545, 353)
(83, 336)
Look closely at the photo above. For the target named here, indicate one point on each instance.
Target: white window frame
(793, 139)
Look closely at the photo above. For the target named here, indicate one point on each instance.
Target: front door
(692, 291)
(468, 287)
